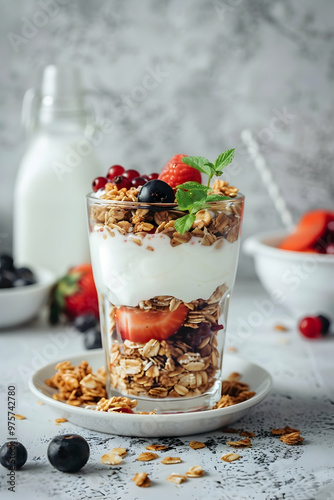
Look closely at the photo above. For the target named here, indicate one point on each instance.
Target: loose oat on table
(195, 471)
(146, 456)
(281, 328)
(230, 430)
(176, 478)
(19, 417)
(242, 443)
(156, 447)
(292, 438)
(284, 430)
(111, 459)
(142, 480)
(40, 403)
(119, 451)
(247, 434)
(196, 445)
(231, 457)
(171, 460)
(60, 420)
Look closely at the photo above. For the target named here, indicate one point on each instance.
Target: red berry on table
(311, 327)
(176, 172)
(121, 182)
(144, 176)
(138, 181)
(131, 174)
(115, 170)
(153, 176)
(99, 183)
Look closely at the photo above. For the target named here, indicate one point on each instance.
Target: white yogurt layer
(127, 273)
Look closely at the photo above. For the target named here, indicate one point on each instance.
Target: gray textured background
(225, 65)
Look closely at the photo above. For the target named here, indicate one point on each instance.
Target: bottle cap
(62, 87)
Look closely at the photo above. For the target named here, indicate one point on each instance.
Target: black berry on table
(68, 453)
(325, 324)
(85, 322)
(13, 455)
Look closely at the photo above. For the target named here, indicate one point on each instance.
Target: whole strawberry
(74, 294)
(175, 172)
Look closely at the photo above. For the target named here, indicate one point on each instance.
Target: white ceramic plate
(180, 424)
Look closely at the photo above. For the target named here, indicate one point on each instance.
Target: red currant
(99, 183)
(121, 182)
(144, 176)
(138, 181)
(330, 249)
(131, 174)
(115, 170)
(311, 327)
(153, 176)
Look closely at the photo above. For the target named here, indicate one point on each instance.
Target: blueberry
(7, 278)
(6, 262)
(26, 274)
(68, 453)
(325, 324)
(13, 455)
(22, 282)
(92, 339)
(156, 191)
(85, 322)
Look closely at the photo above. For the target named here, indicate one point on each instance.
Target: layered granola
(137, 254)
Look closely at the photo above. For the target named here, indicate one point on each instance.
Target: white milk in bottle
(55, 174)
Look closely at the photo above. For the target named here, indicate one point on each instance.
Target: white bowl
(21, 304)
(301, 282)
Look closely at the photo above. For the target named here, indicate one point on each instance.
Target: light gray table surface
(302, 396)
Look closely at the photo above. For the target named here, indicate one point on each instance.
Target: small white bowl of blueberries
(23, 291)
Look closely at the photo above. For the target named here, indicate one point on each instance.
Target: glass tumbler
(163, 299)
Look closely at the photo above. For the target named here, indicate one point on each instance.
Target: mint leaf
(217, 197)
(198, 205)
(184, 223)
(190, 185)
(198, 195)
(199, 163)
(184, 199)
(223, 160)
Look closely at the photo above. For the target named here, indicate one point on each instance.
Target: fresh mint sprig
(192, 196)
(206, 167)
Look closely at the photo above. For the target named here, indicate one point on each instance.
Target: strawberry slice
(310, 228)
(143, 325)
(176, 172)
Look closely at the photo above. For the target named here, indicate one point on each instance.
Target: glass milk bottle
(55, 174)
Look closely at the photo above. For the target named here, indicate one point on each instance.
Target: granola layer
(184, 365)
